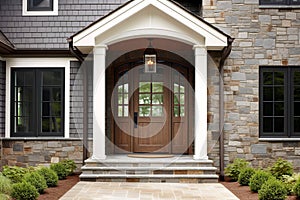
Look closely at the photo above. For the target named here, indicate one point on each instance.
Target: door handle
(135, 118)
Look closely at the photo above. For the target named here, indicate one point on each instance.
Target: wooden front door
(150, 112)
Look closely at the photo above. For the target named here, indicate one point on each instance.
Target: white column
(99, 103)
(200, 103)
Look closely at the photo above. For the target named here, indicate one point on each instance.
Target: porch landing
(177, 169)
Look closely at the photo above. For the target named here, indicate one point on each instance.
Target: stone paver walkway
(148, 191)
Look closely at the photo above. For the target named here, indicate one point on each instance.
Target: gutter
(225, 53)
(80, 58)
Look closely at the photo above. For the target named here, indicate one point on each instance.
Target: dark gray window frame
(278, 3)
(31, 7)
(288, 99)
(37, 99)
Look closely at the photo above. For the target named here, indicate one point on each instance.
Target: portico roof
(150, 19)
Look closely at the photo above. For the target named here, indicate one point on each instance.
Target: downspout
(225, 53)
(80, 58)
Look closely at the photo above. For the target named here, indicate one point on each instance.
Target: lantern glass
(150, 63)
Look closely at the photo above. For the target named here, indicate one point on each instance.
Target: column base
(196, 157)
(94, 157)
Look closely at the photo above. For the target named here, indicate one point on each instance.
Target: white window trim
(40, 13)
(38, 63)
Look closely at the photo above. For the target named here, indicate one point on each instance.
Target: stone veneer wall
(32, 152)
(262, 37)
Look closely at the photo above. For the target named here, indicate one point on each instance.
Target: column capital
(200, 50)
(100, 49)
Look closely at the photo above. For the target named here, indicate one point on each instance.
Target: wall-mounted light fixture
(150, 59)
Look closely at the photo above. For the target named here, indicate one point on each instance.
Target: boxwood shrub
(60, 170)
(37, 180)
(245, 175)
(296, 189)
(258, 179)
(14, 173)
(233, 170)
(281, 167)
(24, 191)
(5, 186)
(272, 189)
(4, 196)
(69, 165)
(49, 175)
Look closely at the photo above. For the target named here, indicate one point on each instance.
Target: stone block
(18, 147)
(68, 149)
(237, 76)
(259, 149)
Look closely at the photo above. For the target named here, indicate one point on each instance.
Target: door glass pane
(157, 99)
(157, 87)
(144, 111)
(45, 124)
(176, 99)
(145, 99)
(157, 111)
(144, 87)
(181, 89)
(176, 88)
(181, 111)
(182, 99)
(120, 111)
(120, 89)
(176, 111)
(126, 88)
(125, 111)
(120, 98)
(125, 98)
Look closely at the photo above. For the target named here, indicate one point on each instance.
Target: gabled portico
(172, 29)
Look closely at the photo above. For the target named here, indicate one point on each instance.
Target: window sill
(279, 7)
(279, 139)
(41, 139)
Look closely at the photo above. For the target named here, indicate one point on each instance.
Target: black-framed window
(279, 2)
(37, 103)
(279, 102)
(40, 5)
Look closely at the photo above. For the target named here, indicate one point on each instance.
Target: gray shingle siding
(51, 32)
(2, 98)
(76, 100)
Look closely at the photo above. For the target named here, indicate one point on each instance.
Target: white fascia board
(37, 63)
(87, 37)
(212, 37)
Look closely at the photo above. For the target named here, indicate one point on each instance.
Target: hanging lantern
(150, 59)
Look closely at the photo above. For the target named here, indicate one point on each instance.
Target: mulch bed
(244, 193)
(63, 186)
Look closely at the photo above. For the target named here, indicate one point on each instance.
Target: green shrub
(49, 175)
(281, 167)
(233, 169)
(60, 170)
(5, 185)
(4, 196)
(258, 179)
(70, 166)
(296, 189)
(290, 181)
(24, 191)
(14, 173)
(245, 175)
(35, 179)
(272, 189)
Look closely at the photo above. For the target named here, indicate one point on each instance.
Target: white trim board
(38, 63)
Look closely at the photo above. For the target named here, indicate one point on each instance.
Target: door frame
(164, 57)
